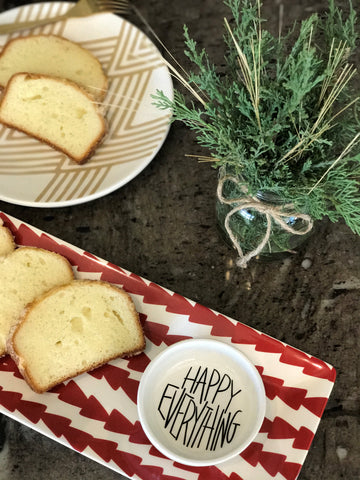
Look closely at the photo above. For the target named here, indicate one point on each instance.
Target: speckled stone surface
(162, 226)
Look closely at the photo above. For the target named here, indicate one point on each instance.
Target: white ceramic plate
(32, 174)
(201, 402)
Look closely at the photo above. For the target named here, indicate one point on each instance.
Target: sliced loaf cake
(26, 273)
(56, 56)
(73, 329)
(55, 111)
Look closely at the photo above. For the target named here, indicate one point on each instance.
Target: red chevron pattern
(273, 463)
(280, 429)
(291, 396)
(97, 411)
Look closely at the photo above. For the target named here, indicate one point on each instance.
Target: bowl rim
(157, 362)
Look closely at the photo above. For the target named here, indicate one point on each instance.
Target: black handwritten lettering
(169, 396)
(184, 398)
(234, 426)
(213, 381)
(193, 381)
(222, 429)
(212, 428)
(189, 414)
(232, 395)
(198, 413)
(173, 409)
(202, 414)
(222, 386)
(202, 382)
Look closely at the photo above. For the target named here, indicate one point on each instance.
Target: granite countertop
(162, 226)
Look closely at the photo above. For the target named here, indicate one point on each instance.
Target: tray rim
(313, 361)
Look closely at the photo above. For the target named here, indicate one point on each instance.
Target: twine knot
(273, 213)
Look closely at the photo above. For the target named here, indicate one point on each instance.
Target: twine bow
(271, 212)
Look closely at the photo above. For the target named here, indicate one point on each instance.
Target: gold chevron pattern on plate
(31, 173)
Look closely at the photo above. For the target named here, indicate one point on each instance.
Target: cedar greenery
(284, 114)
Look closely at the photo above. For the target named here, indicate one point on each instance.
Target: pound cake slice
(56, 56)
(7, 243)
(26, 273)
(73, 329)
(55, 111)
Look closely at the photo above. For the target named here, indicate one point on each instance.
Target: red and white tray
(96, 413)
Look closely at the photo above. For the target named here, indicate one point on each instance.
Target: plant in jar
(279, 120)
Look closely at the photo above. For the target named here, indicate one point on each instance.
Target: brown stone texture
(162, 226)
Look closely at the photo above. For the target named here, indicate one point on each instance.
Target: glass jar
(265, 224)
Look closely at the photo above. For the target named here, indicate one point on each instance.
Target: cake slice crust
(7, 243)
(25, 273)
(55, 56)
(73, 329)
(55, 111)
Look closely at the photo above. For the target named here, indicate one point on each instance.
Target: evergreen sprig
(284, 113)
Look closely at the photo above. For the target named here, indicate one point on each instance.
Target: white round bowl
(201, 402)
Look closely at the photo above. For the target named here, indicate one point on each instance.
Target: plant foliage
(284, 114)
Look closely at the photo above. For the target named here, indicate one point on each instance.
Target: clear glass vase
(264, 220)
